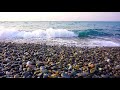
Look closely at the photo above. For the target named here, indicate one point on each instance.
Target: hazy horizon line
(64, 21)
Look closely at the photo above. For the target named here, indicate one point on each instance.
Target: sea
(68, 33)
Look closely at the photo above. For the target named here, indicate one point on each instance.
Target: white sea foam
(12, 33)
(103, 43)
(52, 36)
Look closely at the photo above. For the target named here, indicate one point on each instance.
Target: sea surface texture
(71, 33)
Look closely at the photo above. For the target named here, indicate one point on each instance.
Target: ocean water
(69, 33)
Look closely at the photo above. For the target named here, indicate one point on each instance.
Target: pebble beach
(30, 60)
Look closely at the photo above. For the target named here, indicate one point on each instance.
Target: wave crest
(48, 33)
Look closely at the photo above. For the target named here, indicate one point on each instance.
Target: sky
(59, 16)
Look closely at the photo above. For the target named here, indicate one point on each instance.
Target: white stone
(70, 66)
(100, 69)
(108, 60)
(29, 63)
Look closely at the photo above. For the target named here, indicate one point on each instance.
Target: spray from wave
(11, 33)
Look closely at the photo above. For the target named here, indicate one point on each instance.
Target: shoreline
(30, 60)
(52, 42)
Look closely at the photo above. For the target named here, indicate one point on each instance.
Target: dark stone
(20, 62)
(64, 75)
(2, 74)
(27, 74)
(45, 76)
(80, 77)
(16, 62)
(73, 73)
(5, 62)
(41, 64)
(0, 61)
(14, 65)
(0, 68)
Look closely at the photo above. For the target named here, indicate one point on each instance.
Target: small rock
(53, 68)
(85, 69)
(39, 64)
(29, 76)
(29, 63)
(73, 73)
(117, 67)
(36, 72)
(45, 71)
(53, 76)
(5, 62)
(104, 76)
(1, 73)
(29, 69)
(65, 75)
(92, 70)
(20, 62)
(52, 64)
(14, 65)
(91, 65)
(84, 74)
(20, 68)
(108, 60)
(16, 76)
(24, 69)
(42, 68)
(45, 75)
(18, 59)
(100, 69)
(69, 66)
(40, 75)
(26, 74)
(95, 76)
(8, 73)
(26, 53)
(7, 59)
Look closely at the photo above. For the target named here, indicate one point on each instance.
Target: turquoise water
(83, 33)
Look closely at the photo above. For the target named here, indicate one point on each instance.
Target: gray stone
(117, 67)
(2, 74)
(65, 75)
(26, 74)
(45, 75)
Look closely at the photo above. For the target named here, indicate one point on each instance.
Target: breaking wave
(14, 33)
(48, 33)
(35, 35)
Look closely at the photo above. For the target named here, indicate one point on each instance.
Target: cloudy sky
(59, 16)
